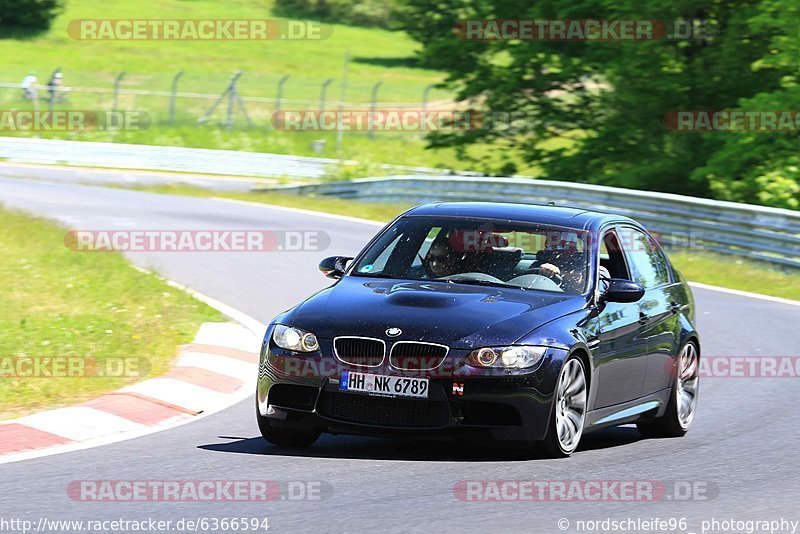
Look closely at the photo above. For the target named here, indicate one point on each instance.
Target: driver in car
(441, 260)
(567, 242)
(549, 270)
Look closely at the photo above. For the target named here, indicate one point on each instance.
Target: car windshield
(486, 252)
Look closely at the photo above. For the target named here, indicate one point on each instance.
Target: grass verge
(58, 303)
(738, 273)
(698, 266)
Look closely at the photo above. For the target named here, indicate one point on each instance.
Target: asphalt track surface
(742, 448)
(128, 178)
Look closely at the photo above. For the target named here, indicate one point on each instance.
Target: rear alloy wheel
(569, 413)
(282, 436)
(682, 402)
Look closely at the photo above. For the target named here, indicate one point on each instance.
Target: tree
(764, 167)
(28, 15)
(597, 108)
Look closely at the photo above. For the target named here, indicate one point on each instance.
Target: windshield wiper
(475, 282)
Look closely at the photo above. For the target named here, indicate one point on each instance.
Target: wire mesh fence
(184, 98)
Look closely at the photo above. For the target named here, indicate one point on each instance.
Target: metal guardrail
(178, 159)
(769, 234)
(162, 158)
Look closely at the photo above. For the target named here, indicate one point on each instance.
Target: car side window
(660, 261)
(647, 263)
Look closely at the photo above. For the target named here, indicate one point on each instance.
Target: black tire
(284, 437)
(669, 425)
(552, 446)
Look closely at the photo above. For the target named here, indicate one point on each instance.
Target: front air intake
(359, 351)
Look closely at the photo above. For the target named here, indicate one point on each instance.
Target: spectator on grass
(28, 86)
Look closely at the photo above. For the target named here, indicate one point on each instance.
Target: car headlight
(512, 357)
(290, 338)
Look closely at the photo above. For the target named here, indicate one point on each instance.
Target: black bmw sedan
(520, 323)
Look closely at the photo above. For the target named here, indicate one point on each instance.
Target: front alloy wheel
(569, 412)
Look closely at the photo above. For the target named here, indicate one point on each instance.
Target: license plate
(387, 386)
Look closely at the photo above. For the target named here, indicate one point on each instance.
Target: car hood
(458, 315)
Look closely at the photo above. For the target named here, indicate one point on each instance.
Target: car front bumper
(302, 392)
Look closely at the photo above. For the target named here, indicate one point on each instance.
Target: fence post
(372, 108)
(172, 97)
(231, 103)
(233, 98)
(117, 82)
(323, 93)
(279, 96)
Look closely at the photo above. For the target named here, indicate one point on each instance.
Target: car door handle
(674, 307)
(643, 318)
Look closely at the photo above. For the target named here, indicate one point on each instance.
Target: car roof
(534, 213)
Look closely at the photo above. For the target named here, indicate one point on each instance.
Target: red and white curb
(218, 369)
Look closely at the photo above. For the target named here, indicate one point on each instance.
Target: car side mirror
(621, 290)
(334, 266)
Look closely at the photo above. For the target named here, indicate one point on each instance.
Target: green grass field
(208, 64)
(699, 266)
(59, 303)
